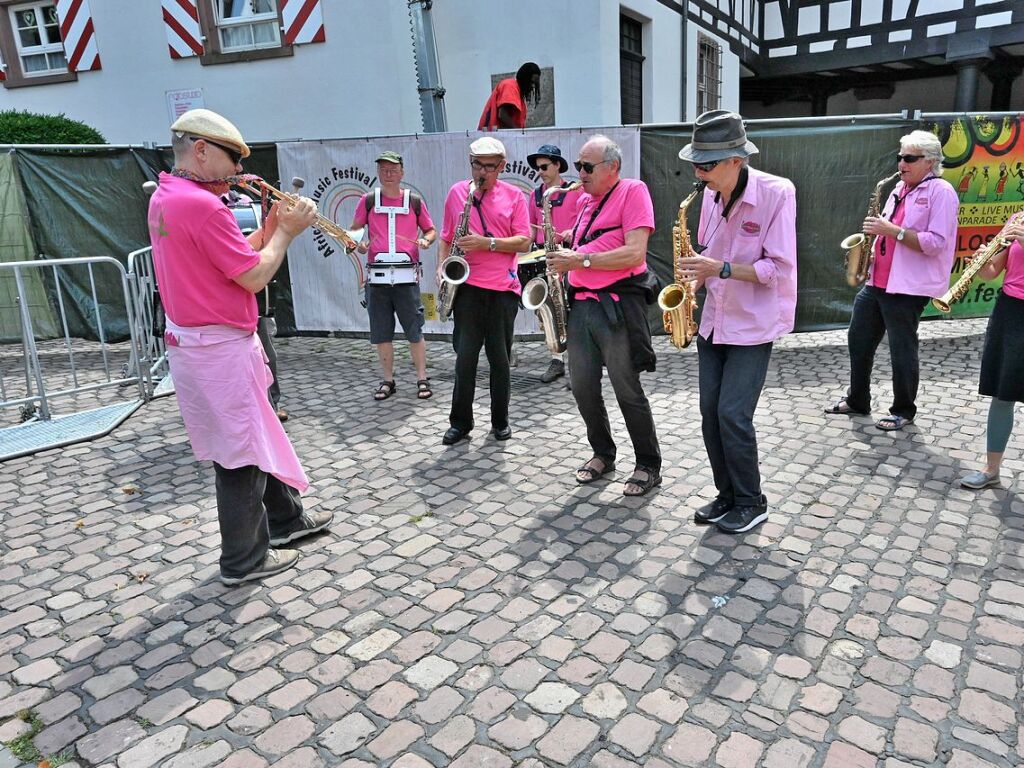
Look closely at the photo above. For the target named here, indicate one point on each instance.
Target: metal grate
(36, 436)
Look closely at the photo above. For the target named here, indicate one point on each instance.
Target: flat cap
(207, 124)
(487, 145)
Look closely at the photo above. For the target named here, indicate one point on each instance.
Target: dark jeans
(483, 319)
(876, 313)
(593, 345)
(731, 378)
(267, 340)
(252, 506)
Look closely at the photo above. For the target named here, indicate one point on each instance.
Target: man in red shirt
(506, 106)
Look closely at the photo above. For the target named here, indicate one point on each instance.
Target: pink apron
(221, 378)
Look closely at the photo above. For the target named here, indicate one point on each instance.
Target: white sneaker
(308, 523)
(979, 479)
(277, 560)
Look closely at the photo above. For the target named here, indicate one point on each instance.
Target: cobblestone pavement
(473, 606)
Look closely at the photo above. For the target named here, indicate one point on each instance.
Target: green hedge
(29, 128)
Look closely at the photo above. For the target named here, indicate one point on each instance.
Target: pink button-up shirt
(931, 211)
(760, 230)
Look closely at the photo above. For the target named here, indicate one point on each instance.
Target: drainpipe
(682, 74)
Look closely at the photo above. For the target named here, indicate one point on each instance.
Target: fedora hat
(717, 134)
(550, 151)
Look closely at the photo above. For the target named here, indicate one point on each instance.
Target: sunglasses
(543, 166)
(588, 167)
(234, 154)
(489, 167)
(706, 167)
(907, 158)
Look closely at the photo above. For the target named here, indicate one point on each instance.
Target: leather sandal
(653, 480)
(842, 407)
(588, 474)
(423, 390)
(385, 390)
(892, 423)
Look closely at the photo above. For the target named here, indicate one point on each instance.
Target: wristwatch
(586, 261)
(726, 270)
(493, 245)
(901, 235)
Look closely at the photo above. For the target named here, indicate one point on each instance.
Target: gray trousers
(265, 331)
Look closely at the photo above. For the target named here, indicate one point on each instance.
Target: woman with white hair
(915, 238)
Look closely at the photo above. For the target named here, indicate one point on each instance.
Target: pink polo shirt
(628, 206)
(1013, 281)
(501, 213)
(407, 226)
(198, 250)
(930, 209)
(760, 230)
(563, 215)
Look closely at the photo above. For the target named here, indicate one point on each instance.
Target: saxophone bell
(535, 293)
(856, 262)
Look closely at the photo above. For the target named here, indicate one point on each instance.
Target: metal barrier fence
(99, 383)
(148, 321)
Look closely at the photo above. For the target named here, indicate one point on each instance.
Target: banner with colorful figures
(984, 161)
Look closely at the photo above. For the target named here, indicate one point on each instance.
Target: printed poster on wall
(327, 283)
(984, 161)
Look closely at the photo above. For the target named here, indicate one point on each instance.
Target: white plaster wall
(730, 72)
(344, 87)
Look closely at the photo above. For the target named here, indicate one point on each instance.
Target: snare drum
(531, 265)
(392, 269)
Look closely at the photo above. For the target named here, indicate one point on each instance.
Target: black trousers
(252, 507)
(594, 345)
(483, 319)
(263, 330)
(875, 314)
(731, 378)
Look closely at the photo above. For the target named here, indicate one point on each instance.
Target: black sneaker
(712, 512)
(555, 369)
(741, 519)
(308, 524)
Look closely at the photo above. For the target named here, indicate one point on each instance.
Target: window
(31, 45)
(709, 74)
(241, 30)
(631, 70)
(37, 35)
(246, 25)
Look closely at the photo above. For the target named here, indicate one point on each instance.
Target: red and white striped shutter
(303, 21)
(78, 35)
(181, 23)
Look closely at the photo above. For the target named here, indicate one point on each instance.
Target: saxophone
(546, 295)
(981, 257)
(455, 268)
(860, 248)
(677, 301)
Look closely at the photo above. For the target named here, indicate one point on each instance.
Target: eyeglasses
(588, 167)
(543, 166)
(706, 167)
(907, 158)
(488, 167)
(234, 154)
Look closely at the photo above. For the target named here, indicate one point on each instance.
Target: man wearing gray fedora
(745, 257)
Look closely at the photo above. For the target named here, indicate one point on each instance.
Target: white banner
(327, 283)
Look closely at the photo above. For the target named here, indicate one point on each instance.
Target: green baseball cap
(389, 157)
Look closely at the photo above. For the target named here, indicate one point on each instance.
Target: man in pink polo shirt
(209, 273)
(486, 304)
(399, 225)
(610, 289)
(915, 242)
(747, 262)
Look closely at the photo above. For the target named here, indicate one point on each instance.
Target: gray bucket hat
(717, 134)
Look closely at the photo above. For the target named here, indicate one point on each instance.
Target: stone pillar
(967, 74)
(1002, 73)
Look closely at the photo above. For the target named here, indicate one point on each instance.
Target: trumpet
(255, 185)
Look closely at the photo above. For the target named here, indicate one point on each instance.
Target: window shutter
(181, 23)
(303, 21)
(77, 33)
